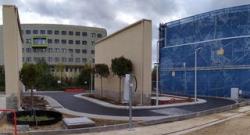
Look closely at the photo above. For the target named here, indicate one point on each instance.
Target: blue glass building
(223, 60)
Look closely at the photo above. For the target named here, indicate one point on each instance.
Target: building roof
(123, 29)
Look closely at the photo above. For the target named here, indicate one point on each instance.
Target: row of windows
(55, 59)
(56, 50)
(66, 69)
(57, 32)
(64, 41)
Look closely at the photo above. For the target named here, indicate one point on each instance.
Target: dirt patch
(236, 126)
(38, 102)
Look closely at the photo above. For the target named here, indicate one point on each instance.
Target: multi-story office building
(67, 45)
(221, 39)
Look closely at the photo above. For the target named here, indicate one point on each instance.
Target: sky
(113, 14)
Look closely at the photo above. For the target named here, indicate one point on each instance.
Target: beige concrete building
(12, 55)
(135, 43)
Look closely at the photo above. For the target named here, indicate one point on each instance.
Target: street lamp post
(157, 70)
(195, 73)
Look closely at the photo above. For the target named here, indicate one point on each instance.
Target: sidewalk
(182, 127)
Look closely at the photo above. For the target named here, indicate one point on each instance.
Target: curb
(140, 124)
(109, 105)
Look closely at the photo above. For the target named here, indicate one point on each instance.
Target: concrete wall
(135, 43)
(12, 46)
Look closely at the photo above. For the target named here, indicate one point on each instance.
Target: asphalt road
(80, 105)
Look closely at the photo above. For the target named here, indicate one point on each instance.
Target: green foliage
(121, 66)
(2, 79)
(102, 70)
(38, 76)
(45, 79)
(84, 79)
(29, 75)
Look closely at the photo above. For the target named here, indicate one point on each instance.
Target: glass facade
(223, 60)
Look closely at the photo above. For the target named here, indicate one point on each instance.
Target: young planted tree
(102, 70)
(29, 76)
(120, 67)
(84, 77)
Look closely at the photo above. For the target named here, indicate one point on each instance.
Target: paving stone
(80, 122)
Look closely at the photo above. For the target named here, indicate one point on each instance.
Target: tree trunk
(101, 87)
(120, 90)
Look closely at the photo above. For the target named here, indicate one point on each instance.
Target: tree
(84, 77)
(45, 78)
(29, 77)
(103, 71)
(120, 67)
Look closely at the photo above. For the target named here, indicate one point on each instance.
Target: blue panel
(226, 29)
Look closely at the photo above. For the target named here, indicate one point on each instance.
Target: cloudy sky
(113, 14)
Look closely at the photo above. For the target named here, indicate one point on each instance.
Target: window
(57, 50)
(84, 60)
(63, 50)
(76, 69)
(64, 59)
(35, 31)
(93, 35)
(56, 41)
(49, 32)
(70, 41)
(99, 35)
(77, 60)
(77, 42)
(92, 51)
(39, 42)
(63, 41)
(84, 51)
(84, 34)
(28, 59)
(27, 31)
(42, 31)
(64, 32)
(28, 50)
(77, 50)
(49, 41)
(50, 59)
(28, 41)
(23, 50)
(50, 50)
(84, 42)
(57, 59)
(77, 33)
(56, 32)
(70, 59)
(92, 42)
(70, 50)
(71, 33)
(93, 60)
